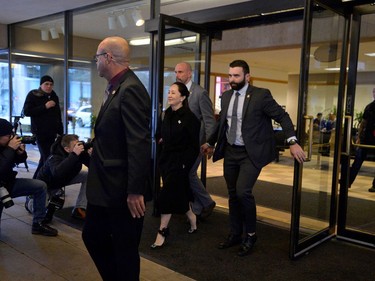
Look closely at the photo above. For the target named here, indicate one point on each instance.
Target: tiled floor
(24, 256)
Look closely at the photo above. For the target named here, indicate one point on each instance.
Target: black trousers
(44, 147)
(112, 236)
(360, 157)
(240, 175)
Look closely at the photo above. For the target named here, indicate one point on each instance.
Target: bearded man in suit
(118, 179)
(244, 137)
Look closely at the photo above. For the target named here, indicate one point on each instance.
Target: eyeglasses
(98, 55)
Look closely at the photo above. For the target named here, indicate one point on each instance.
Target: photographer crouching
(64, 167)
(12, 152)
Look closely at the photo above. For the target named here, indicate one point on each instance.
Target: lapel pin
(179, 121)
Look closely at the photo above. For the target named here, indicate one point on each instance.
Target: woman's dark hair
(184, 92)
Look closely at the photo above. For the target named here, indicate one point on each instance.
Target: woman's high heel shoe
(192, 231)
(163, 232)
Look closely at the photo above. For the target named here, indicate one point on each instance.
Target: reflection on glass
(361, 198)
(321, 107)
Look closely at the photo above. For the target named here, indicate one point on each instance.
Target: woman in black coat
(180, 148)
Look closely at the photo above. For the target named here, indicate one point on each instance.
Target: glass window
(90, 27)
(38, 50)
(4, 86)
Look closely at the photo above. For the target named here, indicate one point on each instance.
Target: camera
(87, 145)
(55, 203)
(28, 140)
(5, 197)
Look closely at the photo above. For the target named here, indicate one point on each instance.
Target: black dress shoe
(43, 229)
(247, 245)
(231, 240)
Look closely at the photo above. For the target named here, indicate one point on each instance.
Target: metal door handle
(310, 139)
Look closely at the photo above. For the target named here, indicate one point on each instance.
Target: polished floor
(24, 256)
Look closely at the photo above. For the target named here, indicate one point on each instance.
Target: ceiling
(17, 11)
(93, 24)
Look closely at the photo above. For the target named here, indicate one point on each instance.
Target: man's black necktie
(233, 124)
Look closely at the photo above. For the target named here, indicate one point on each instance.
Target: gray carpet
(196, 255)
(314, 204)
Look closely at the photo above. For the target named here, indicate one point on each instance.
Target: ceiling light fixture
(190, 39)
(112, 21)
(44, 34)
(137, 17)
(122, 20)
(54, 33)
(169, 42)
(140, 42)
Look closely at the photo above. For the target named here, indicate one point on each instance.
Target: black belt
(235, 145)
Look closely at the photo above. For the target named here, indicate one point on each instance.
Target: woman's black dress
(180, 149)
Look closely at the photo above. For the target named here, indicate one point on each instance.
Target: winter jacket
(8, 160)
(61, 167)
(45, 123)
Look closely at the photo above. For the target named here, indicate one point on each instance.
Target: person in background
(64, 167)
(201, 105)
(319, 123)
(12, 152)
(366, 136)
(119, 178)
(179, 138)
(244, 137)
(331, 123)
(42, 105)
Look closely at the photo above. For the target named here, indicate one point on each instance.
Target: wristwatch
(292, 142)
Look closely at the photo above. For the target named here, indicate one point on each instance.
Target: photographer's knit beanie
(46, 78)
(5, 127)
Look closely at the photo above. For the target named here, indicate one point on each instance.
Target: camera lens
(5, 198)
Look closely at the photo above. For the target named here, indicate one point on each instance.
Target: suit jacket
(121, 159)
(201, 105)
(257, 131)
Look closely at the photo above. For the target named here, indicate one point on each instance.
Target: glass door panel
(357, 201)
(176, 41)
(314, 199)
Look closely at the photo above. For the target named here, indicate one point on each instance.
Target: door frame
(300, 246)
(158, 28)
(343, 231)
(345, 110)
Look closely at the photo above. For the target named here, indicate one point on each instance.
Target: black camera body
(5, 197)
(55, 203)
(28, 140)
(87, 145)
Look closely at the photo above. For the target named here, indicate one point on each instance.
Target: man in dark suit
(119, 174)
(366, 136)
(244, 137)
(201, 105)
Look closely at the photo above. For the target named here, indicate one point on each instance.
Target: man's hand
(21, 149)
(208, 150)
(78, 148)
(297, 152)
(50, 104)
(136, 205)
(15, 142)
